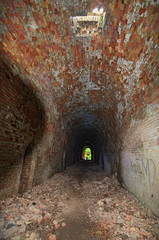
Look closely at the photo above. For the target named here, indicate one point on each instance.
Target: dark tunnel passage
(89, 133)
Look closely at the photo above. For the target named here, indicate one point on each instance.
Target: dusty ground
(80, 204)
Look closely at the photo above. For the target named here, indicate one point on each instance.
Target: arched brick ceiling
(58, 90)
(111, 75)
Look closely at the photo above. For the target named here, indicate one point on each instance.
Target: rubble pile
(112, 211)
(120, 214)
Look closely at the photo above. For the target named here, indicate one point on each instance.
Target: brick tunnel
(76, 73)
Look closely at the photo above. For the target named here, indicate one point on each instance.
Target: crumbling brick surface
(111, 75)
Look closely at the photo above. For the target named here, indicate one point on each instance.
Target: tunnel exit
(86, 153)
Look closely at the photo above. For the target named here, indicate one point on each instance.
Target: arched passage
(21, 124)
(28, 167)
(87, 152)
(89, 136)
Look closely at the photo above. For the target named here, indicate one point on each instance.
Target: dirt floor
(81, 203)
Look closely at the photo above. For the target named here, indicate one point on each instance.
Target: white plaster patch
(112, 60)
(120, 109)
(139, 30)
(152, 2)
(85, 80)
(134, 16)
(124, 65)
(119, 28)
(97, 53)
(127, 38)
(33, 25)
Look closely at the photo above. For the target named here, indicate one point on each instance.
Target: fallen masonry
(80, 203)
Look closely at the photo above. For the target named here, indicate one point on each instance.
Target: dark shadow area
(91, 136)
(26, 177)
(21, 126)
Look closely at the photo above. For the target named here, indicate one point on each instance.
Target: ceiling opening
(89, 25)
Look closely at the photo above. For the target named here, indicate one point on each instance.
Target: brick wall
(140, 155)
(20, 124)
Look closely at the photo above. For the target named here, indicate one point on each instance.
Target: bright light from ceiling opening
(101, 10)
(95, 10)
